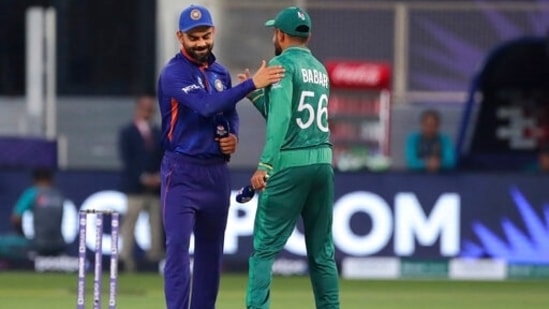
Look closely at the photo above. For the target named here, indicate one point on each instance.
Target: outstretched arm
(257, 97)
(186, 91)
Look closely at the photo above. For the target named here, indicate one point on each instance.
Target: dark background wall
(104, 46)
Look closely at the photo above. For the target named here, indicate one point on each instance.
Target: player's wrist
(252, 84)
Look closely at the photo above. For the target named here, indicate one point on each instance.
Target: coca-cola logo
(364, 74)
(359, 75)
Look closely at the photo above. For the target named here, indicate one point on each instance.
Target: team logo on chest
(218, 84)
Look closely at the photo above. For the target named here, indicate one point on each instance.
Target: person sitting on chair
(45, 202)
(429, 149)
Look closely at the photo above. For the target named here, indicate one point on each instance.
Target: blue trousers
(195, 199)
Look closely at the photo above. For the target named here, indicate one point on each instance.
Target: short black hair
(299, 39)
(430, 113)
(42, 174)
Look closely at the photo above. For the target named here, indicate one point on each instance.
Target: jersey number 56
(320, 116)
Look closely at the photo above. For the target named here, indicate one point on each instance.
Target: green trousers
(306, 191)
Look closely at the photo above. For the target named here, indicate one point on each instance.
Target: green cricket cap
(293, 21)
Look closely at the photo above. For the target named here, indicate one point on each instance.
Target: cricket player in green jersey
(294, 175)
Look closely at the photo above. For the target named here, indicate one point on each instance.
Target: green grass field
(58, 291)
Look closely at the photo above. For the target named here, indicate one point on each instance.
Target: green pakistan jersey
(296, 110)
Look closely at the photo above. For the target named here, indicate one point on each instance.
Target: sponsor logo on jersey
(190, 88)
(41, 201)
(221, 131)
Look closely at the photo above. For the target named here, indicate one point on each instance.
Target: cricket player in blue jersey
(199, 133)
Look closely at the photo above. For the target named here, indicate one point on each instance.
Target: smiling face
(197, 43)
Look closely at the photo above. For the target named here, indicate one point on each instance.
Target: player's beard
(278, 49)
(200, 54)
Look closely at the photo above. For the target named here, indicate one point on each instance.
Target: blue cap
(194, 16)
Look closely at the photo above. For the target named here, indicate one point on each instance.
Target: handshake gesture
(264, 76)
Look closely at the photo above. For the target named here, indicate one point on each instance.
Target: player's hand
(156, 180)
(228, 144)
(266, 76)
(244, 75)
(259, 180)
(433, 164)
(17, 223)
(150, 180)
(15, 220)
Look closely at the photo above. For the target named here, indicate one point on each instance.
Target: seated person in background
(46, 204)
(429, 150)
